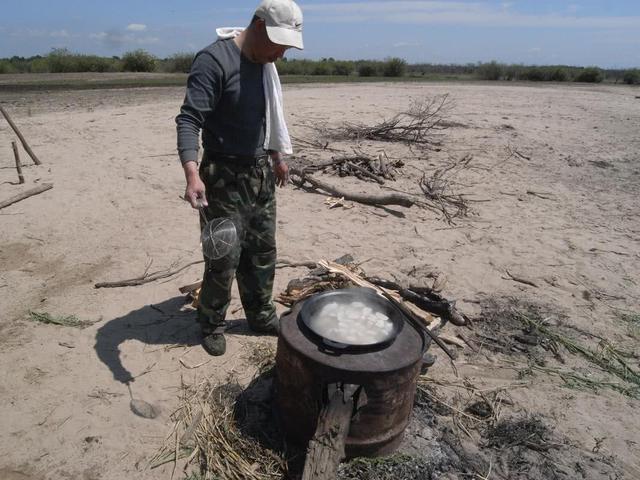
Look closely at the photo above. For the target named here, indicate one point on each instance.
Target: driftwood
(301, 179)
(426, 299)
(16, 154)
(365, 172)
(20, 136)
(26, 194)
(359, 164)
(326, 448)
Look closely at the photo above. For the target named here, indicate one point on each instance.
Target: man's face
(265, 50)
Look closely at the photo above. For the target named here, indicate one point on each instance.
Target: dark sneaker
(215, 344)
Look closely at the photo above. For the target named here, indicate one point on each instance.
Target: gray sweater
(224, 99)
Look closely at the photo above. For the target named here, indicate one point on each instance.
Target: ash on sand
(500, 329)
(423, 455)
(429, 451)
(520, 447)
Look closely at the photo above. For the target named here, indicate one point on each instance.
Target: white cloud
(406, 44)
(60, 34)
(147, 41)
(116, 39)
(28, 32)
(535, 50)
(455, 13)
(137, 27)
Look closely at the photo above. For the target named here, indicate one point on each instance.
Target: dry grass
(261, 355)
(226, 431)
(208, 432)
(606, 356)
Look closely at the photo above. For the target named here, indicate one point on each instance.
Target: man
(225, 99)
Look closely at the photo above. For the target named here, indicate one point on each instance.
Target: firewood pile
(416, 300)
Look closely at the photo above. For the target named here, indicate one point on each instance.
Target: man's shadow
(159, 324)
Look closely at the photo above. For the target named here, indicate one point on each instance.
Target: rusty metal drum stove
(386, 377)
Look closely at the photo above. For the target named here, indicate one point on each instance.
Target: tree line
(64, 61)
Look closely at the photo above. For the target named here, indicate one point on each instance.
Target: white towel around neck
(276, 135)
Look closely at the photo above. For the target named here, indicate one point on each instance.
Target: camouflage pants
(246, 195)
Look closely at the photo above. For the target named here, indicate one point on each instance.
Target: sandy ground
(115, 209)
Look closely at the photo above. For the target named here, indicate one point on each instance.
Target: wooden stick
(160, 275)
(365, 172)
(392, 199)
(18, 164)
(525, 281)
(26, 194)
(283, 263)
(20, 136)
(326, 448)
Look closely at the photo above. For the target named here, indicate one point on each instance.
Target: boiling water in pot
(352, 323)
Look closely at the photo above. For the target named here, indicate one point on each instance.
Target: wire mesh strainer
(219, 236)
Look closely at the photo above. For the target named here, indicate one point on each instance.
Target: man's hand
(195, 191)
(281, 170)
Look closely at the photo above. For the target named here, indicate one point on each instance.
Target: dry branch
(26, 194)
(20, 136)
(437, 187)
(413, 127)
(146, 277)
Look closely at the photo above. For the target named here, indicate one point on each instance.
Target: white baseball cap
(283, 19)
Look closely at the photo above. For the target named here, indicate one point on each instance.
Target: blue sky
(577, 32)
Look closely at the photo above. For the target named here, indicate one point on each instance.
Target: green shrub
(6, 67)
(138, 61)
(557, 74)
(179, 63)
(632, 77)
(39, 65)
(490, 71)
(367, 69)
(510, 72)
(394, 67)
(295, 67)
(589, 75)
(342, 68)
(61, 60)
(533, 74)
(322, 68)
